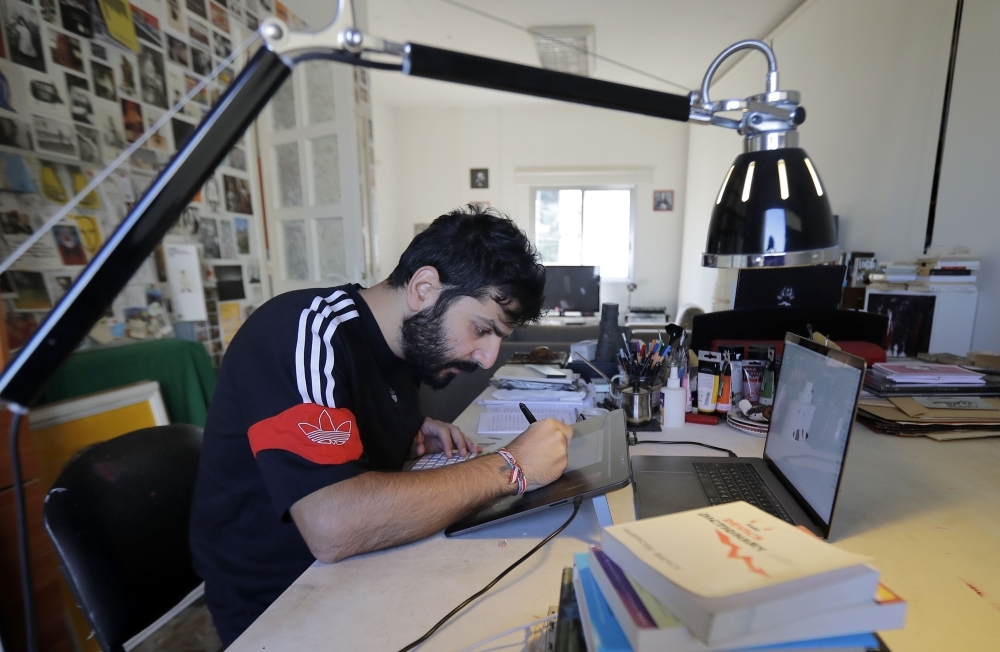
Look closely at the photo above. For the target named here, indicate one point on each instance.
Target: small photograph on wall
(65, 50)
(199, 34)
(237, 195)
(229, 282)
(161, 137)
(201, 61)
(238, 159)
(48, 95)
(243, 237)
(197, 7)
(24, 35)
(126, 73)
(208, 228)
(70, 245)
(175, 17)
(910, 319)
(89, 141)
(223, 46)
(479, 178)
(132, 119)
(76, 17)
(55, 136)
(80, 106)
(15, 133)
(220, 17)
(32, 294)
(177, 51)
(152, 77)
(98, 51)
(48, 8)
(227, 239)
(104, 81)
(663, 200)
(147, 26)
(112, 130)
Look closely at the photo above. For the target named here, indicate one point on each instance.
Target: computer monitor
(573, 288)
(809, 286)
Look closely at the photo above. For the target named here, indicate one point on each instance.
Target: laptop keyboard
(437, 460)
(727, 483)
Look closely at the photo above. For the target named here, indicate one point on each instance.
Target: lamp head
(772, 209)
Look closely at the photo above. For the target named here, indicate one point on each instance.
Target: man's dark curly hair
(478, 252)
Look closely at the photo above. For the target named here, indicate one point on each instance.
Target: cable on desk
(576, 508)
(512, 630)
(633, 440)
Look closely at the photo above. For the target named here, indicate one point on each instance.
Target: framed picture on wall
(663, 200)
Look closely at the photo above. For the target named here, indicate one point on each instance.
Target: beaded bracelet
(516, 474)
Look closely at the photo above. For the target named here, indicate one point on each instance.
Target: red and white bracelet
(516, 474)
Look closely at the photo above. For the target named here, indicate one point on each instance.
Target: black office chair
(118, 515)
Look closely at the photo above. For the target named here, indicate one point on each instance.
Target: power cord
(22, 529)
(576, 508)
(633, 440)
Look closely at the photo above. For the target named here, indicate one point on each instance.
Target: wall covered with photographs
(80, 81)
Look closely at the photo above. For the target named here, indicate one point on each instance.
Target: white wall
(872, 78)
(969, 195)
(424, 156)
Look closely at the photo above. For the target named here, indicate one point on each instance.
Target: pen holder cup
(637, 404)
(652, 383)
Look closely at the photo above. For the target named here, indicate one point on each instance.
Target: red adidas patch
(317, 433)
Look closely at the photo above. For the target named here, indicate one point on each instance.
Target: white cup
(591, 412)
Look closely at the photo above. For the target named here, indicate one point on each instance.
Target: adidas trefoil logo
(325, 433)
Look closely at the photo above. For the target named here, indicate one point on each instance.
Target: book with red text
(730, 570)
(649, 625)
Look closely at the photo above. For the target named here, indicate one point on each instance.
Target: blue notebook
(603, 633)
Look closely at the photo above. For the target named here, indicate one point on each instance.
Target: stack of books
(918, 378)
(728, 577)
(952, 274)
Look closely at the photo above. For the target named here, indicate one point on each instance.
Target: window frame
(631, 187)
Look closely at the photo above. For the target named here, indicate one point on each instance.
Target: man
(316, 410)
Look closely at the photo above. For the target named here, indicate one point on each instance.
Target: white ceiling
(671, 39)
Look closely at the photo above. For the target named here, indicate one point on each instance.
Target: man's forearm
(378, 510)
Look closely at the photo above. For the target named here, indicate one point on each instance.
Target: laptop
(808, 286)
(598, 463)
(798, 479)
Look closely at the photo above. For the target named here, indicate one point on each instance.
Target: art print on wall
(89, 141)
(243, 237)
(15, 133)
(177, 51)
(65, 50)
(48, 95)
(24, 35)
(104, 81)
(76, 17)
(199, 33)
(147, 26)
(152, 78)
(132, 119)
(197, 7)
(208, 229)
(70, 246)
(237, 195)
(55, 136)
(80, 106)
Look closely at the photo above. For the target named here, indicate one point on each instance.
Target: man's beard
(425, 347)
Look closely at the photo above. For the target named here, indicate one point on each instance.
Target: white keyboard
(437, 460)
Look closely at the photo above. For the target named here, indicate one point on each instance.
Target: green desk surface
(183, 369)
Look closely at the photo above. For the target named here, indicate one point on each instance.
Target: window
(585, 226)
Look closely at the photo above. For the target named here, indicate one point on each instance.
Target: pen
(527, 413)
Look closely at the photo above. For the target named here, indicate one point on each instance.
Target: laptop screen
(813, 411)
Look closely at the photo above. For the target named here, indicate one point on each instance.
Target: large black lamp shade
(771, 210)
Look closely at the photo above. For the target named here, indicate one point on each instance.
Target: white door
(315, 213)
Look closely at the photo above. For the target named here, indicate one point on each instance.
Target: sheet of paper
(499, 422)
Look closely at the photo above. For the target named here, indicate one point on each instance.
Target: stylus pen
(527, 413)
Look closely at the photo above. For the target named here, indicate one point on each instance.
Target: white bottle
(673, 401)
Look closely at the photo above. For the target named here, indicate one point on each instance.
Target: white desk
(928, 512)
